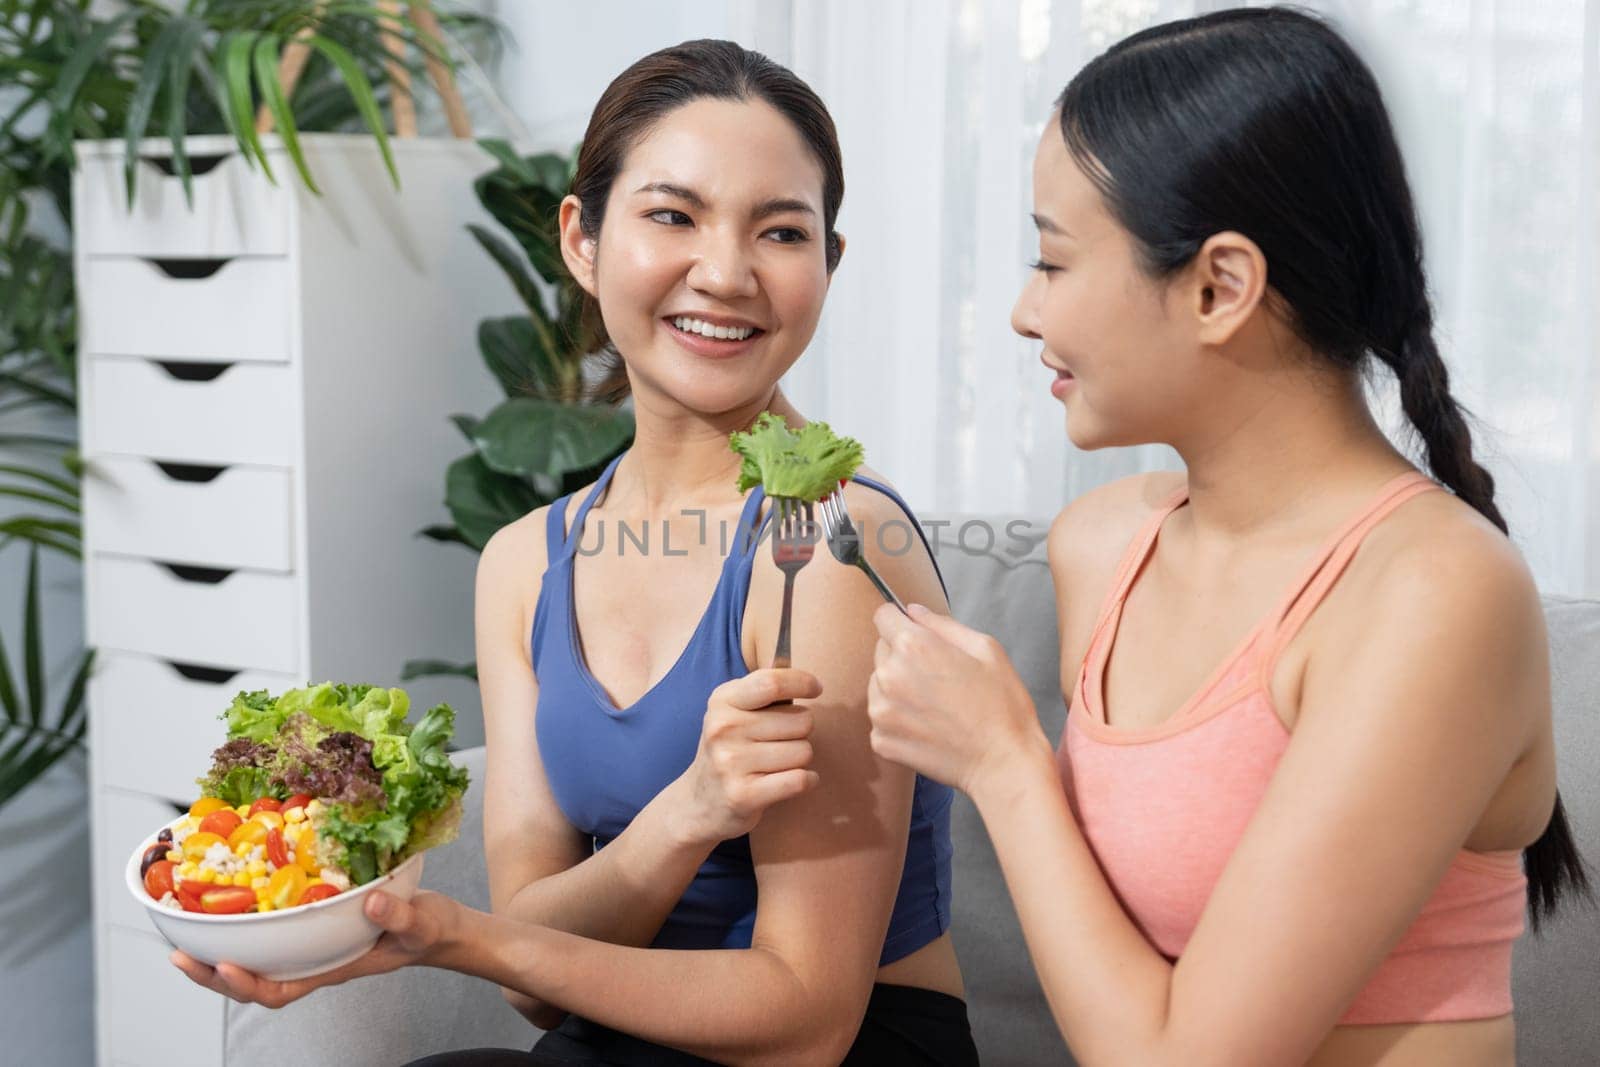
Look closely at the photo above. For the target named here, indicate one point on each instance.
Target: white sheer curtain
(939, 104)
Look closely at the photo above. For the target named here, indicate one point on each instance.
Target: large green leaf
(153, 74)
(433, 668)
(524, 359)
(512, 267)
(530, 435)
(265, 57)
(361, 93)
(524, 195)
(482, 500)
(31, 739)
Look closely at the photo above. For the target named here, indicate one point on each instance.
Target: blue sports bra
(605, 763)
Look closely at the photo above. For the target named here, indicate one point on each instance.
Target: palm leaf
(425, 668)
(361, 93)
(84, 57)
(32, 646)
(235, 72)
(266, 62)
(185, 56)
(143, 102)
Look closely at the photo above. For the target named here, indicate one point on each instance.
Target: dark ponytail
(1265, 122)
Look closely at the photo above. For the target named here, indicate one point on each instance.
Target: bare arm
(798, 994)
(1431, 704)
(541, 869)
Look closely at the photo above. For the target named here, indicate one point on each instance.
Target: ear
(1228, 282)
(577, 247)
(838, 261)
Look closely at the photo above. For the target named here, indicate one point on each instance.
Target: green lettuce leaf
(806, 464)
(366, 831)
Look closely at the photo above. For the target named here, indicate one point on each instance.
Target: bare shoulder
(515, 551)
(1436, 561)
(1090, 534)
(893, 543)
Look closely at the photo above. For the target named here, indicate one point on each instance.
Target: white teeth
(706, 329)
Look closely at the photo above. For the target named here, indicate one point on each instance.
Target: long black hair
(1265, 122)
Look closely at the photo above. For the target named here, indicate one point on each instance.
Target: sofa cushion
(1556, 973)
(999, 582)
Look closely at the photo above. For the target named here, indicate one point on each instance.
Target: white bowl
(281, 945)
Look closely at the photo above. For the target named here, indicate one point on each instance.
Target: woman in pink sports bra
(1306, 790)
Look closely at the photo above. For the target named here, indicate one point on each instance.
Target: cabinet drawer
(218, 618)
(234, 516)
(236, 211)
(239, 413)
(204, 309)
(123, 822)
(157, 721)
(157, 1017)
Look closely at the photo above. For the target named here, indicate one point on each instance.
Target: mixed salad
(805, 464)
(317, 790)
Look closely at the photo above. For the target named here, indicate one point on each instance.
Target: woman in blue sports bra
(693, 857)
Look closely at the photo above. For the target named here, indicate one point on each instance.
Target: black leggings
(913, 1027)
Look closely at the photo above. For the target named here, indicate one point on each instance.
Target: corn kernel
(313, 880)
(259, 884)
(256, 868)
(188, 868)
(263, 905)
(174, 855)
(294, 815)
(314, 807)
(242, 880)
(243, 810)
(205, 874)
(243, 848)
(293, 833)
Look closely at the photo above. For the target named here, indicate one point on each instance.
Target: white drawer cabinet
(178, 409)
(186, 308)
(265, 387)
(160, 717)
(210, 615)
(218, 515)
(157, 1015)
(235, 213)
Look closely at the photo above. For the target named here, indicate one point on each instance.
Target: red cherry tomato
(276, 850)
(189, 895)
(227, 900)
(299, 800)
(265, 804)
(222, 823)
(320, 891)
(158, 879)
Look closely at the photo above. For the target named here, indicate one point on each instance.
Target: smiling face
(1124, 354)
(710, 266)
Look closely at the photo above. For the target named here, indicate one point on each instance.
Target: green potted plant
(551, 434)
(73, 70)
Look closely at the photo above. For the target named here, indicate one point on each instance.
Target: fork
(844, 541)
(792, 549)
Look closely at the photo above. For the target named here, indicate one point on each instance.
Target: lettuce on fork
(388, 787)
(806, 464)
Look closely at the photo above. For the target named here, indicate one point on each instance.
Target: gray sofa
(1007, 592)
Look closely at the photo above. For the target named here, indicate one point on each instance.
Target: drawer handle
(189, 472)
(196, 673)
(191, 372)
(188, 269)
(198, 164)
(190, 573)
